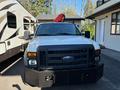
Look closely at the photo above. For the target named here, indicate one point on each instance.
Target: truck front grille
(66, 55)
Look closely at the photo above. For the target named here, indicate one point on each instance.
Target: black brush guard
(52, 70)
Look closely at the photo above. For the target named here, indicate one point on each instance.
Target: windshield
(52, 29)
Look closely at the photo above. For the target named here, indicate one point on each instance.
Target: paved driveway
(111, 80)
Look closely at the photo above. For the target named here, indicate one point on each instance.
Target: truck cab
(59, 54)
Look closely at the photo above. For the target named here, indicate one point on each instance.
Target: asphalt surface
(12, 80)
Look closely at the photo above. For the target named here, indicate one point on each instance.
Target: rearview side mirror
(27, 35)
(78, 26)
(87, 34)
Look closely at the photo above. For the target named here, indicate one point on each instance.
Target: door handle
(8, 43)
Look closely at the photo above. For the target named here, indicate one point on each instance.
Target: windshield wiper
(56, 34)
(64, 34)
(43, 35)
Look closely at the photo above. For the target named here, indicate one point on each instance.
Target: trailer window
(26, 24)
(11, 20)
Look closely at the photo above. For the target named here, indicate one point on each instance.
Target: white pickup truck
(60, 55)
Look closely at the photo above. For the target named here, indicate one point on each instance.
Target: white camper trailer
(16, 24)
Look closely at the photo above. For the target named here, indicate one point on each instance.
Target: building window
(11, 20)
(115, 30)
(101, 2)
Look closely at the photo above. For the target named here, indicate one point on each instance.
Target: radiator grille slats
(82, 55)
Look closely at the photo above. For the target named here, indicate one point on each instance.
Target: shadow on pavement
(16, 86)
(93, 86)
(110, 81)
(16, 70)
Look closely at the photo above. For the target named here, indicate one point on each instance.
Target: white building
(107, 17)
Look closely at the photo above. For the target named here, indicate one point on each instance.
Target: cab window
(26, 24)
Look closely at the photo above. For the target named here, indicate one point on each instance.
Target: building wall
(110, 41)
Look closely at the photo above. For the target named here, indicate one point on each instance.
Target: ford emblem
(68, 58)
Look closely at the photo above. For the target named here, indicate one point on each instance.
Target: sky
(61, 4)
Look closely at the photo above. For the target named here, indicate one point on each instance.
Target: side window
(11, 20)
(77, 30)
(26, 24)
(115, 30)
(33, 25)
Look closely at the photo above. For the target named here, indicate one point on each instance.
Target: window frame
(101, 2)
(11, 14)
(116, 21)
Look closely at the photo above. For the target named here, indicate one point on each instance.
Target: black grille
(74, 55)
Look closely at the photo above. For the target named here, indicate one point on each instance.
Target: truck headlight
(31, 55)
(97, 55)
(32, 62)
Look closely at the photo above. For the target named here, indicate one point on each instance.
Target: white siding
(97, 31)
(110, 41)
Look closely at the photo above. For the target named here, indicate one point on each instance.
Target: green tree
(37, 7)
(89, 8)
(88, 25)
(70, 11)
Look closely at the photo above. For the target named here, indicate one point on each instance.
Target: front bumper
(63, 77)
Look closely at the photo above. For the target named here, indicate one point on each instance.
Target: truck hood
(59, 40)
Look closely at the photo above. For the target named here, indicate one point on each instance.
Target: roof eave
(104, 11)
